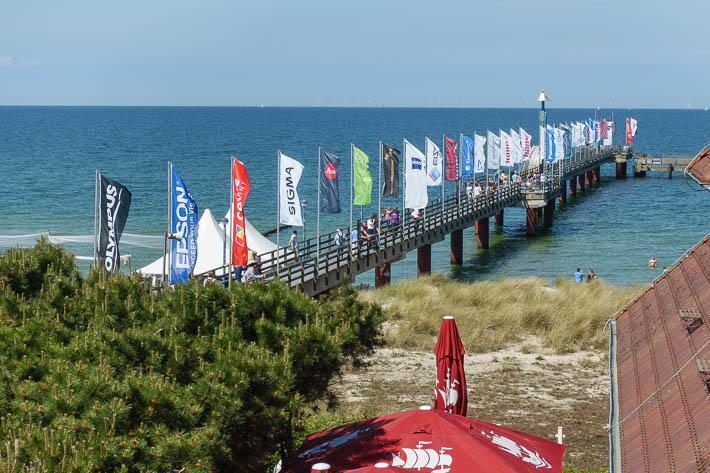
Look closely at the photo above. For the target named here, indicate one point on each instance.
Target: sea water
(48, 158)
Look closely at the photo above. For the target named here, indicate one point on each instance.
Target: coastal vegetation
(105, 373)
(565, 317)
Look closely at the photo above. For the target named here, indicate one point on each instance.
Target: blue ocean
(49, 155)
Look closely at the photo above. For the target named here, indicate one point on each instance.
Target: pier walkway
(322, 265)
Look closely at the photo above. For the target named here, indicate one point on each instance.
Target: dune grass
(490, 315)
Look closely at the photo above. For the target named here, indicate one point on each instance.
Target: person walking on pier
(339, 238)
(477, 190)
(395, 218)
(293, 245)
(469, 191)
(387, 215)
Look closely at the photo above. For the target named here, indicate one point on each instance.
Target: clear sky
(498, 53)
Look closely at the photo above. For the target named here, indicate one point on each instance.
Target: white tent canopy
(211, 250)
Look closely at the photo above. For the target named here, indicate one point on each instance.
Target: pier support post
(588, 179)
(563, 192)
(548, 213)
(580, 180)
(424, 260)
(382, 275)
(597, 174)
(457, 246)
(531, 222)
(670, 171)
(573, 187)
(621, 165)
(498, 219)
(538, 212)
(482, 233)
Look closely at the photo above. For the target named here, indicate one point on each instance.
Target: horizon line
(260, 106)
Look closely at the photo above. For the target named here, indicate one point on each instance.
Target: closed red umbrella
(450, 390)
(428, 441)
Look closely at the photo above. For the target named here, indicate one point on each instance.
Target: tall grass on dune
(565, 317)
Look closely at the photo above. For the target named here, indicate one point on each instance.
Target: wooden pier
(322, 265)
(664, 163)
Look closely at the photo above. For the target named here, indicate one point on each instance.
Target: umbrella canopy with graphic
(450, 389)
(428, 441)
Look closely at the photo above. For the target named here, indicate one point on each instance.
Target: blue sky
(498, 53)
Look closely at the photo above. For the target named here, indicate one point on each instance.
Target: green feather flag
(362, 180)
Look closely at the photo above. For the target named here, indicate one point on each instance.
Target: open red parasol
(428, 441)
(450, 389)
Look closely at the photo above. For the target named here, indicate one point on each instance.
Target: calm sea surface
(48, 156)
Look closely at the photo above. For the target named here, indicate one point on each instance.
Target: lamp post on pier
(542, 98)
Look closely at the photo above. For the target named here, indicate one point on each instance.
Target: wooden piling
(383, 275)
(424, 260)
(457, 247)
(531, 222)
(498, 219)
(548, 213)
(482, 233)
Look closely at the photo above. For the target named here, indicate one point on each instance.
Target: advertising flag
(415, 193)
(590, 125)
(433, 164)
(329, 188)
(362, 180)
(634, 126)
(183, 222)
(114, 203)
(506, 149)
(609, 139)
(603, 129)
(559, 145)
(517, 146)
(390, 164)
(290, 204)
(629, 135)
(566, 140)
(597, 131)
(479, 153)
(240, 189)
(582, 136)
(452, 160)
(493, 151)
(525, 141)
(466, 156)
(550, 149)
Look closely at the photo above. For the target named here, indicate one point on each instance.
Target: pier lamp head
(543, 97)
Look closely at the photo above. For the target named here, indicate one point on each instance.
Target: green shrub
(110, 374)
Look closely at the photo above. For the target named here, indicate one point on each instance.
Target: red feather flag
(240, 189)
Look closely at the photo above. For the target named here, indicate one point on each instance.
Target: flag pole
(318, 216)
(352, 175)
(404, 182)
(165, 242)
(458, 182)
(443, 177)
(278, 211)
(231, 219)
(379, 194)
(96, 208)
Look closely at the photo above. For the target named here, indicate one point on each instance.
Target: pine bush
(110, 374)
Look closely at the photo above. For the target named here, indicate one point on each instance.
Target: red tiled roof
(699, 167)
(663, 418)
